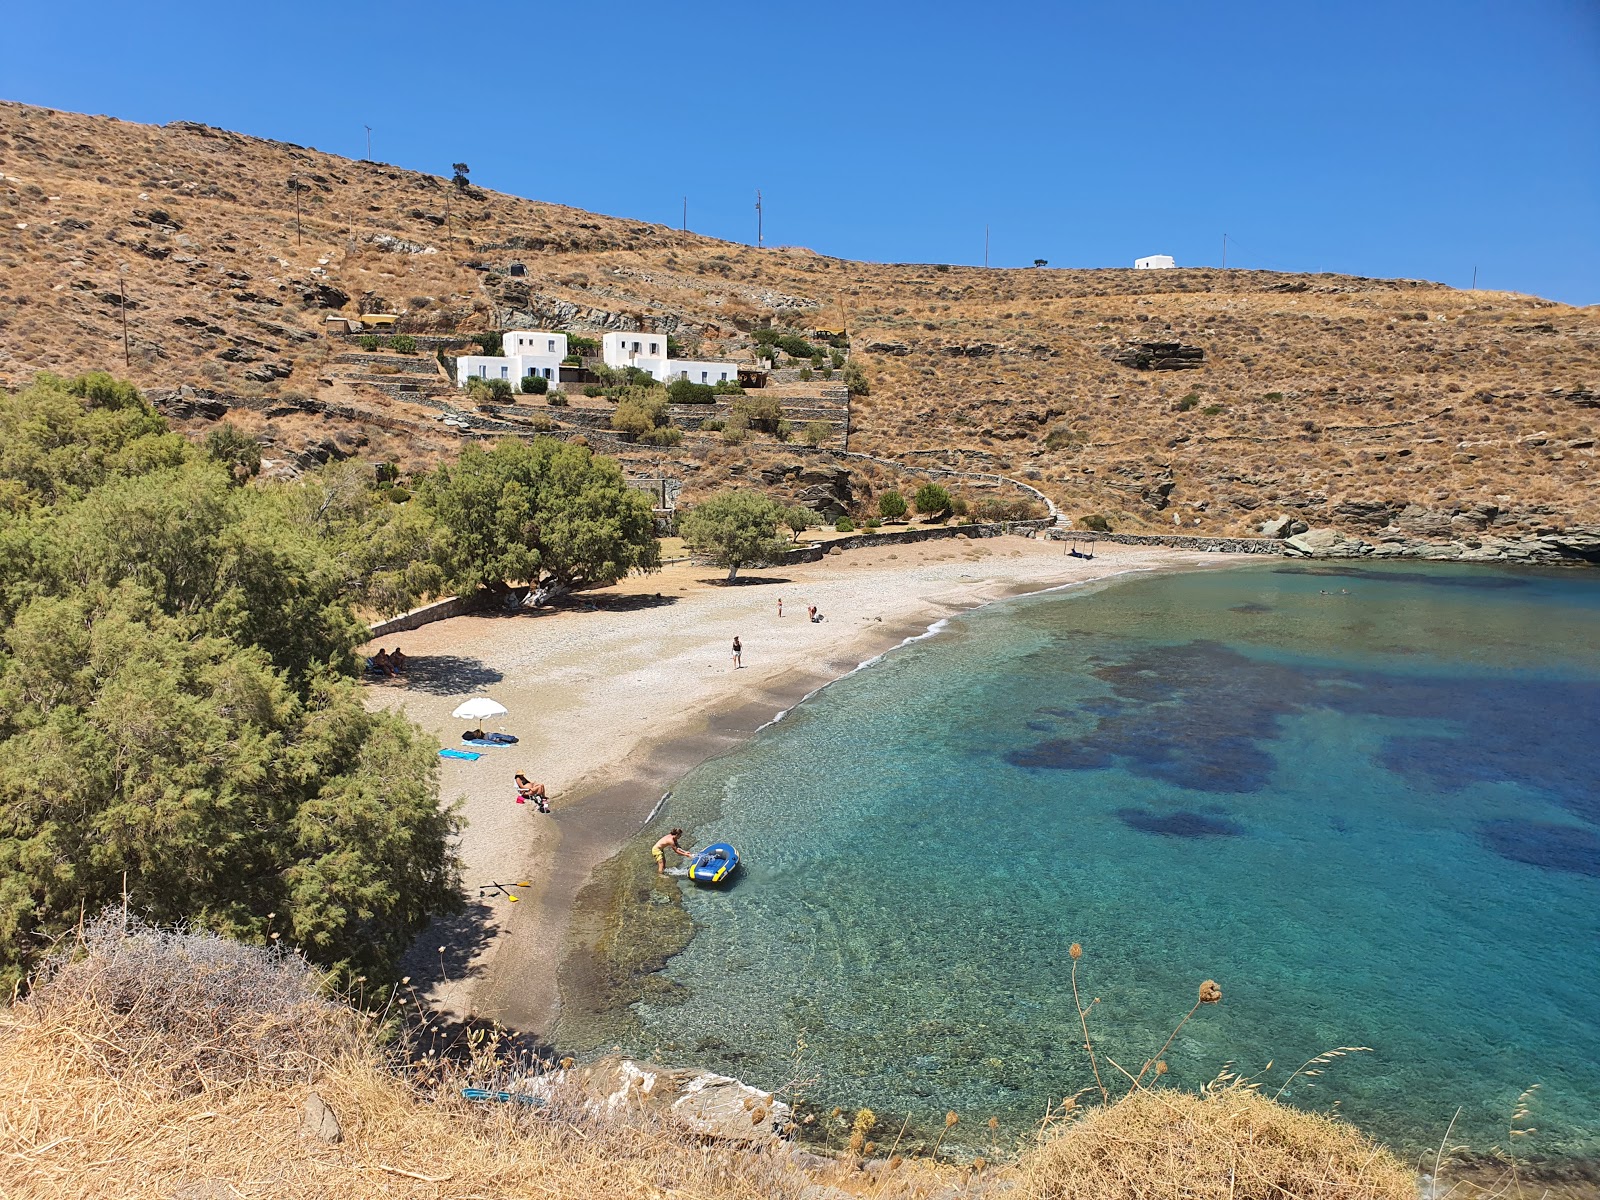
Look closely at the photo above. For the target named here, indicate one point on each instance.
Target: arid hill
(1334, 400)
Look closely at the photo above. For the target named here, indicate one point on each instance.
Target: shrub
(489, 344)
(674, 347)
(593, 390)
(817, 432)
(844, 525)
(783, 431)
(489, 391)
(234, 449)
(1062, 438)
(682, 391)
(663, 435)
(795, 346)
(735, 430)
(873, 523)
(1227, 1143)
(932, 500)
(712, 425)
(403, 343)
(805, 374)
(958, 505)
(535, 385)
(370, 341)
(726, 387)
(557, 399)
(892, 506)
(1096, 522)
(855, 380)
(761, 412)
(1188, 401)
(837, 358)
(579, 345)
(1211, 410)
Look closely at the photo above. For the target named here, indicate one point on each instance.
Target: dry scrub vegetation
(1337, 399)
(154, 1063)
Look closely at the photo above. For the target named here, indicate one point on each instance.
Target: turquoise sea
(1363, 799)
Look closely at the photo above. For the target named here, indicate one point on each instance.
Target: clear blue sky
(1393, 138)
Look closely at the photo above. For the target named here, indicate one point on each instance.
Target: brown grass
(1329, 390)
(1229, 1143)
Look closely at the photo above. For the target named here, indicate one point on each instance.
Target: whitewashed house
(527, 352)
(648, 352)
(1155, 262)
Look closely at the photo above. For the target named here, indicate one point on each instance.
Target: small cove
(1361, 798)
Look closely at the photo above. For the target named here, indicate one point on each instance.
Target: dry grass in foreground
(167, 1064)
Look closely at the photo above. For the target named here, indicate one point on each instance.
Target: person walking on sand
(738, 654)
(532, 791)
(780, 606)
(670, 842)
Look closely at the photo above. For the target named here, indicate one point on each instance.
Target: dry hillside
(1342, 401)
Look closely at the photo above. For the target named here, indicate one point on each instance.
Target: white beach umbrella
(480, 708)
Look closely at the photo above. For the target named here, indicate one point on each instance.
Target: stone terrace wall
(1175, 541)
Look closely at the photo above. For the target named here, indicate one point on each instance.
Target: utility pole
(986, 246)
(1224, 252)
(368, 128)
(758, 218)
(686, 214)
(122, 303)
(1474, 278)
(294, 182)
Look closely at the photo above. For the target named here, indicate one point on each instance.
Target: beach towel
(479, 742)
(501, 739)
(469, 755)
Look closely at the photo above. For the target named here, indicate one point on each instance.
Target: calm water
(1371, 815)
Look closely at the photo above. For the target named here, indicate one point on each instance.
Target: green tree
(541, 512)
(735, 529)
(491, 344)
(460, 171)
(61, 437)
(892, 506)
(682, 391)
(640, 413)
(237, 451)
(932, 500)
(797, 519)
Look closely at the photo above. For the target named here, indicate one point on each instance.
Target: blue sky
(1415, 139)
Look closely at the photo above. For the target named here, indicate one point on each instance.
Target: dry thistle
(994, 1124)
(1075, 951)
(979, 1163)
(950, 1119)
(1210, 993)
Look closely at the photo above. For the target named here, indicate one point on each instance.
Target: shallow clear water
(1362, 799)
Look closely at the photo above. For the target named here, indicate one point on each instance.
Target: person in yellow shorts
(670, 842)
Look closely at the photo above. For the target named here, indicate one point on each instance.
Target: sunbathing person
(532, 791)
(381, 662)
(397, 659)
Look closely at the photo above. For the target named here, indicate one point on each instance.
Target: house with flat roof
(648, 352)
(526, 352)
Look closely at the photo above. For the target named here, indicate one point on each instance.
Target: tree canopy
(540, 512)
(177, 707)
(735, 529)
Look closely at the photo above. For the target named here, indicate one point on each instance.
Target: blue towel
(479, 742)
(469, 755)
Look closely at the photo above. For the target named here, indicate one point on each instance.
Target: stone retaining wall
(439, 610)
(1175, 541)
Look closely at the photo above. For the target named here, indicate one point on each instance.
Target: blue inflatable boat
(714, 864)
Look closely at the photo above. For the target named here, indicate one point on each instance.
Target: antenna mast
(758, 218)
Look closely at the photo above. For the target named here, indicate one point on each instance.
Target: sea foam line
(937, 628)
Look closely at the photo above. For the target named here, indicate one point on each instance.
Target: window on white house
(652, 347)
(703, 375)
(724, 377)
(636, 347)
(552, 345)
(483, 372)
(503, 371)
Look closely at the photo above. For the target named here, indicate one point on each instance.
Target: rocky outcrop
(1577, 545)
(1160, 356)
(1283, 526)
(825, 490)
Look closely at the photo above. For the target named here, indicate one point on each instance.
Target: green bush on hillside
(403, 343)
(535, 385)
(892, 506)
(1095, 521)
(681, 391)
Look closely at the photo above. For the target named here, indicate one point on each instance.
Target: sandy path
(615, 703)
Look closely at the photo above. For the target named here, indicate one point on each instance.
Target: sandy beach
(614, 698)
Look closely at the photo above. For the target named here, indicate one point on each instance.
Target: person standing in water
(670, 842)
(738, 654)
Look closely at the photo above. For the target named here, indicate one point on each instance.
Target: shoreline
(575, 682)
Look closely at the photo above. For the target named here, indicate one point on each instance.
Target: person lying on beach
(381, 662)
(473, 735)
(532, 791)
(670, 842)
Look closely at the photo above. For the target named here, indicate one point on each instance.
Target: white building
(527, 352)
(1156, 262)
(648, 352)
